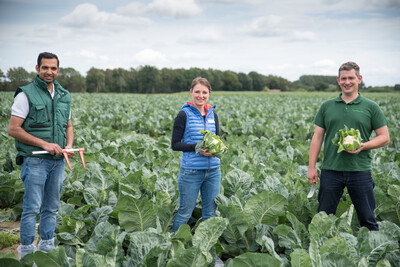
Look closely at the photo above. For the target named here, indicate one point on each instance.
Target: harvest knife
(312, 190)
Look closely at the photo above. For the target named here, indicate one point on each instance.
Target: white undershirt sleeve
(20, 108)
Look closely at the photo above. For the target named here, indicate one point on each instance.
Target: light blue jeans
(43, 179)
(190, 183)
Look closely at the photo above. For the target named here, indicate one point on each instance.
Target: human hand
(53, 149)
(355, 152)
(69, 154)
(312, 175)
(204, 152)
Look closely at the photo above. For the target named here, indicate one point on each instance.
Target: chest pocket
(40, 117)
(63, 112)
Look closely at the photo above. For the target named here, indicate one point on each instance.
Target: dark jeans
(360, 186)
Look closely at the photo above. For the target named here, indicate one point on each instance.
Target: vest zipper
(205, 128)
(47, 112)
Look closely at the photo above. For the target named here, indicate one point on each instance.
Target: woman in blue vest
(200, 172)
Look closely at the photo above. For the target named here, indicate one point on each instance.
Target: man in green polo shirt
(351, 169)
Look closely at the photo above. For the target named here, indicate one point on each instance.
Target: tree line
(149, 79)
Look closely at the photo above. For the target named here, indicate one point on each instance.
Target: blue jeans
(190, 183)
(360, 186)
(43, 179)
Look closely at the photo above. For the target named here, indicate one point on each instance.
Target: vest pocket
(41, 116)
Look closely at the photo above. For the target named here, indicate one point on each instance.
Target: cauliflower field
(119, 211)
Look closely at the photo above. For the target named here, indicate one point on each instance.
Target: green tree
(72, 80)
(131, 81)
(180, 83)
(149, 79)
(119, 80)
(246, 81)
(321, 86)
(3, 82)
(95, 81)
(18, 77)
(167, 76)
(397, 87)
(231, 81)
(258, 81)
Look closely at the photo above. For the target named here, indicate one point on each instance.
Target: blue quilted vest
(194, 123)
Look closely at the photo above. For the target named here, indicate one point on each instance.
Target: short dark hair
(47, 55)
(350, 66)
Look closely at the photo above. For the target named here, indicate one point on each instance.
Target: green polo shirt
(362, 114)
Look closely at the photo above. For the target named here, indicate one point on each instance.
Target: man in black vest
(41, 120)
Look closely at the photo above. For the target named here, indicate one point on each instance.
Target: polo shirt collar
(355, 101)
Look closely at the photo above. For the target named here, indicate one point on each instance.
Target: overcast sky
(287, 38)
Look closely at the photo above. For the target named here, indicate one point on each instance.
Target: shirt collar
(355, 101)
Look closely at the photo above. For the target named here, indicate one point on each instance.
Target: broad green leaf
(299, 228)
(92, 196)
(336, 245)
(191, 257)
(237, 224)
(100, 215)
(184, 233)
(287, 237)
(9, 262)
(104, 240)
(54, 258)
(165, 217)
(321, 226)
(141, 243)
(270, 246)
(336, 260)
(253, 259)
(300, 258)
(383, 263)
(234, 180)
(208, 232)
(313, 251)
(136, 214)
(265, 208)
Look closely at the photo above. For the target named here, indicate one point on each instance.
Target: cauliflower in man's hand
(347, 139)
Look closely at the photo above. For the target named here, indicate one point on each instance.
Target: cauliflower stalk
(347, 139)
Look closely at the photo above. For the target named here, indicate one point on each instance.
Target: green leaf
(300, 258)
(208, 232)
(236, 180)
(336, 245)
(321, 226)
(253, 259)
(265, 208)
(136, 214)
(336, 260)
(92, 196)
(237, 224)
(191, 257)
(54, 258)
(9, 262)
(141, 243)
(287, 237)
(184, 233)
